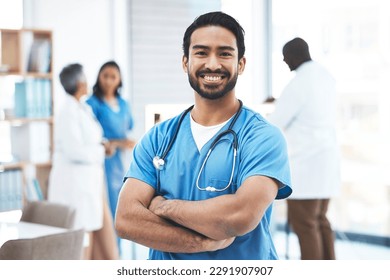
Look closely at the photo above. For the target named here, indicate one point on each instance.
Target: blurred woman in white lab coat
(77, 176)
(306, 112)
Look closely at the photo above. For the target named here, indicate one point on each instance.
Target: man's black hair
(216, 19)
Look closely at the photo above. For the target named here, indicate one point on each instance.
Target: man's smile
(212, 78)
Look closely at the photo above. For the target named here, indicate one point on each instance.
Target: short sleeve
(94, 103)
(264, 152)
(141, 167)
(289, 104)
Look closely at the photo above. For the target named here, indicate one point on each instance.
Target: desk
(20, 230)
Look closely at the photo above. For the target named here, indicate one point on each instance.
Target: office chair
(61, 246)
(49, 213)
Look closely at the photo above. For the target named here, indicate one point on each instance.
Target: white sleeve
(289, 104)
(75, 147)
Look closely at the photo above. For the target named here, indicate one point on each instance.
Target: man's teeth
(212, 78)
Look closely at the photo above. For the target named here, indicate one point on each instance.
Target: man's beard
(210, 92)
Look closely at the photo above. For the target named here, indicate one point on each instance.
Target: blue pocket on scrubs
(221, 184)
(218, 169)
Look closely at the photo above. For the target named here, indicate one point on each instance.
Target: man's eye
(226, 54)
(200, 53)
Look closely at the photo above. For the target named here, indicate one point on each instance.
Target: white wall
(144, 37)
(157, 29)
(82, 32)
(251, 85)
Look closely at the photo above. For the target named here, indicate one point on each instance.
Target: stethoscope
(159, 161)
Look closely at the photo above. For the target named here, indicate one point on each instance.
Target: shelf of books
(11, 187)
(26, 111)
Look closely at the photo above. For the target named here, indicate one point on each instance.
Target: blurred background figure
(115, 116)
(306, 112)
(77, 176)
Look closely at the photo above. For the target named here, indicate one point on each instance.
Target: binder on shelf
(11, 190)
(4, 187)
(3, 193)
(30, 108)
(47, 101)
(20, 110)
(19, 189)
(33, 98)
(27, 39)
(34, 191)
(40, 56)
(37, 103)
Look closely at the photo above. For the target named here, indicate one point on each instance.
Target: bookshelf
(27, 84)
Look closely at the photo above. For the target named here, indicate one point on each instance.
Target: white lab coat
(306, 113)
(77, 176)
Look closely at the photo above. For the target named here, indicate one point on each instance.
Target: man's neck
(212, 112)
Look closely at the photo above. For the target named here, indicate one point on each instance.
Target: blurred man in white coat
(306, 112)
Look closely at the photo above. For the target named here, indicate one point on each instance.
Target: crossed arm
(200, 226)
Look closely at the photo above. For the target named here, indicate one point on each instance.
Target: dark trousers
(308, 220)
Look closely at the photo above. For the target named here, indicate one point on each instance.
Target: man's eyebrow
(203, 47)
(194, 47)
(226, 48)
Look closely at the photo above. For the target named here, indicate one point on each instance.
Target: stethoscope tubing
(170, 144)
(159, 162)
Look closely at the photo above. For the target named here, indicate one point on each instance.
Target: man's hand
(221, 217)
(156, 205)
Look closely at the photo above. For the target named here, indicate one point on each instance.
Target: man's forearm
(193, 215)
(223, 216)
(145, 228)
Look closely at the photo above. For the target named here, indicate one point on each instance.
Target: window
(352, 39)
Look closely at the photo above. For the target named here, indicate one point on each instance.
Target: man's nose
(213, 63)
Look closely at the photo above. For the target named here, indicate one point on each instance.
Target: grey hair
(70, 76)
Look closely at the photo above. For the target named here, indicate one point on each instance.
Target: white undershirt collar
(202, 134)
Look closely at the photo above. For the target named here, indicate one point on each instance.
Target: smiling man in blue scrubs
(201, 185)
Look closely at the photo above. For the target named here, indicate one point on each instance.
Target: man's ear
(184, 62)
(241, 65)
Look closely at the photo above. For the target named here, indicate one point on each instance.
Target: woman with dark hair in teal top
(115, 116)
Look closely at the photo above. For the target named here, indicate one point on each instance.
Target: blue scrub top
(261, 151)
(115, 125)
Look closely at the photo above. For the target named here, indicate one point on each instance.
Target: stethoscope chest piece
(158, 163)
